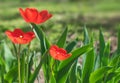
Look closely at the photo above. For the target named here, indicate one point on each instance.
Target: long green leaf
(73, 73)
(71, 45)
(11, 75)
(111, 76)
(64, 67)
(98, 74)
(62, 74)
(8, 56)
(88, 59)
(31, 63)
(79, 73)
(2, 61)
(115, 61)
(2, 67)
(88, 66)
(36, 72)
(102, 46)
(86, 37)
(106, 54)
(118, 46)
(44, 43)
(41, 36)
(62, 39)
(75, 54)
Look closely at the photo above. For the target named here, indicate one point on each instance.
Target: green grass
(75, 14)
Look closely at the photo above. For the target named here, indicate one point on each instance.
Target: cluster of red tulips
(32, 15)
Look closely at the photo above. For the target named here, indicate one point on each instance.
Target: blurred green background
(75, 14)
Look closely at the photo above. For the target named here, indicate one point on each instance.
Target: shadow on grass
(92, 22)
(10, 17)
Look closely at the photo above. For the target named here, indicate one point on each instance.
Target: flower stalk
(27, 66)
(18, 56)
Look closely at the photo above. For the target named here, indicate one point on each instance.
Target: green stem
(53, 65)
(15, 49)
(19, 77)
(27, 72)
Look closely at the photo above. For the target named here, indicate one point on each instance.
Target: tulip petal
(19, 37)
(23, 14)
(58, 53)
(45, 15)
(31, 14)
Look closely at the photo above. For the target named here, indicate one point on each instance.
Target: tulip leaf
(102, 46)
(86, 37)
(79, 73)
(62, 74)
(75, 54)
(105, 58)
(44, 43)
(2, 61)
(73, 74)
(88, 66)
(41, 36)
(11, 75)
(88, 59)
(98, 74)
(62, 39)
(114, 62)
(64, 67)
(2, 67)
(8, 57)
(31, 63)
(118, 46)
(71, 45)
(110, 76)
(36, 72)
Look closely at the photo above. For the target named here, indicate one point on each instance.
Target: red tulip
(19, 37)
(31, 15)
(58, 53)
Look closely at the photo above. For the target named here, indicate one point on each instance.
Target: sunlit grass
(75, 14)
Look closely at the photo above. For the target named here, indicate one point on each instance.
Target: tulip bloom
(31, 15)
(19, 37)
(58, 53)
